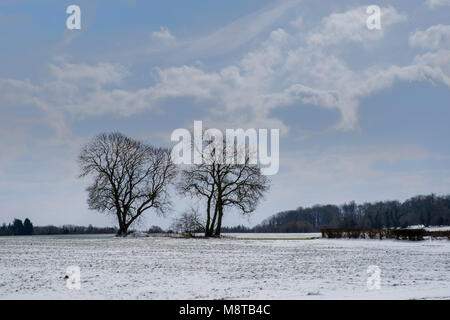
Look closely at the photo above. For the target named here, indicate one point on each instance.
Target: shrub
(439, 234)
(408, 234)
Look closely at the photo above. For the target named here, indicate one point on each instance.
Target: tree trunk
(123, 231)
(208, 218)
(219, 221)
(123, 227)
(213, 222)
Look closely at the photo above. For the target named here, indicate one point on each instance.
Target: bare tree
(129, 177)
(189, 223)
(198, 181)
(224, 183)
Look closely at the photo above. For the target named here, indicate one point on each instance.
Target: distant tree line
(427, 210)
(71, 229)
(238, 229)
(17, 228)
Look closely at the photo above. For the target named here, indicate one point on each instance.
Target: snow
(138, 235)
(438, 228)
(260, 267)
(268, 236)
(430, 228)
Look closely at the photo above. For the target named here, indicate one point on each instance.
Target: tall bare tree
(223, 183)
(129, 177)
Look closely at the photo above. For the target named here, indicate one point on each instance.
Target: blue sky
(363, 113)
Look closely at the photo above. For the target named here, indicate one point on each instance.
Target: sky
(363, 114)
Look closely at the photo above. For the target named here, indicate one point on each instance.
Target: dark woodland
(427, 210)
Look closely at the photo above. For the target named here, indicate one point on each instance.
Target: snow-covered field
(254, 268)
(273, 235)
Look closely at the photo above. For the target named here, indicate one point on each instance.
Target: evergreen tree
(18, 227)
(28, 227)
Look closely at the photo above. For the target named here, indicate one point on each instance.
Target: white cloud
(437, 3)
(163, 35)
(350, 26)
(435, 37)
(70, 88)
(218, 41)
(87, 75)
(240, 31)
(283, 71)
(281, 74)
